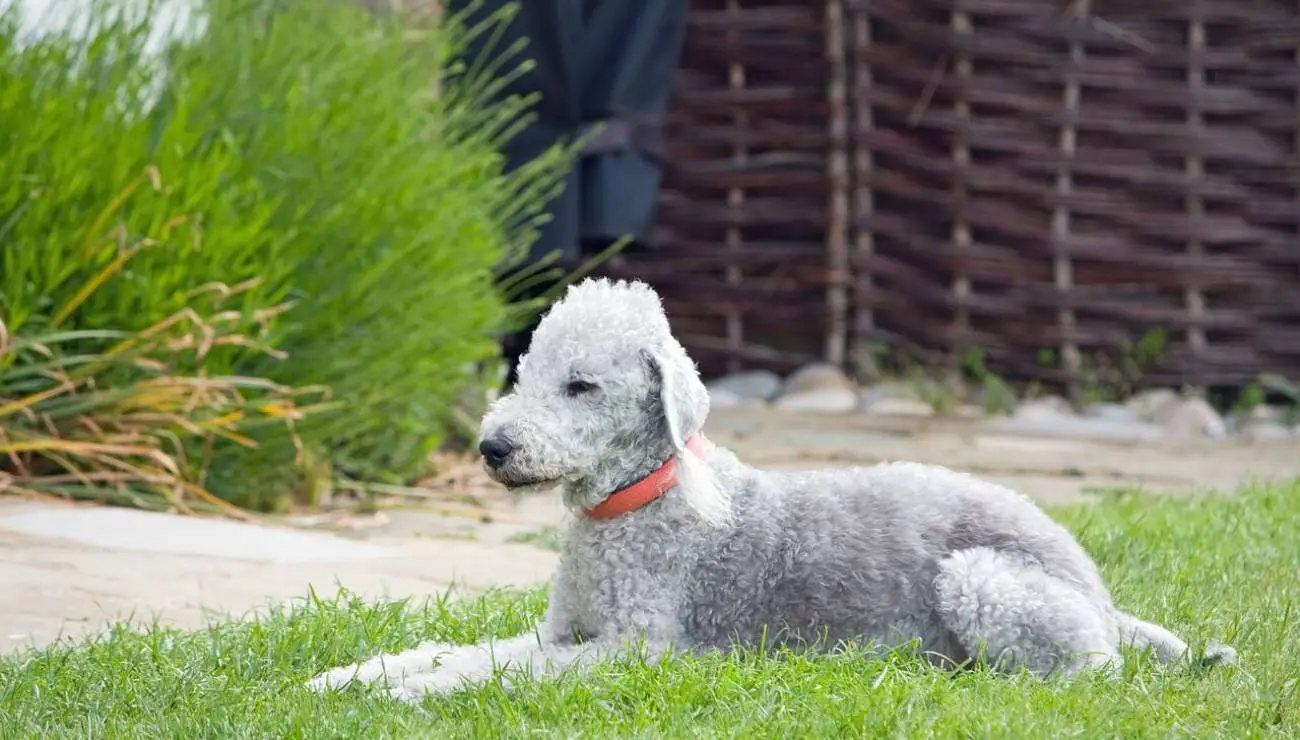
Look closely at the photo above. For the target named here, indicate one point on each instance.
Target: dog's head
(604, 396)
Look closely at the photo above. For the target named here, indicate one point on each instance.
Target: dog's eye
(578, 387)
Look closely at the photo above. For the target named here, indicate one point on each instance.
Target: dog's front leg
(427, 658)
(515, 660)
(392, 668)
(648, 631)
(644, 624)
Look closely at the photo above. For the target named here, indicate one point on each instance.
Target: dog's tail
(1168, 647)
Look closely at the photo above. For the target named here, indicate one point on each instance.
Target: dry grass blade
(116, 418)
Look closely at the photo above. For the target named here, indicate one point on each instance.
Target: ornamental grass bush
(251, 253)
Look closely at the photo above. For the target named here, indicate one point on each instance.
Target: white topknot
(601, 304)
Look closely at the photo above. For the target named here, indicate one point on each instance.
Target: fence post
(864, 196)
(837, 166)
(736, 195)
(962, 29)
(1194, 167)
(1062, 264)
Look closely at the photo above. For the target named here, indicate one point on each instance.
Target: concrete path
(69, 570)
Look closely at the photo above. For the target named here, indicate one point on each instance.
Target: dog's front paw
(338, 678)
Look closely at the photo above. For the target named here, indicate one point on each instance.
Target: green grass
(1209, 568)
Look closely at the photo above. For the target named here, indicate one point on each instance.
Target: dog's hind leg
(1005, 608)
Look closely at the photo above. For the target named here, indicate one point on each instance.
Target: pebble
(1265, 431)
(1147, 416)
(763, 385)
(1113, 412)
(1148, 404)
(721, 398)
(819, 400)
(1192, 418)
(1264, 412)
(818, 376)
(1045, 417)
(1265, 423)
(1045, 405)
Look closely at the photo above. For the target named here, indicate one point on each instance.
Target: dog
(677, 545)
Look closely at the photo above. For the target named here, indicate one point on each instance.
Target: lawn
(1216, 567)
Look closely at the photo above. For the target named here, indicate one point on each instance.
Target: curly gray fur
(734, 555)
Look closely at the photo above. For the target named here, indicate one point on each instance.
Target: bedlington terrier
(675, 544)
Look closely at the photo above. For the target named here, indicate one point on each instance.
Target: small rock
(751, 384)
(1192, 418)
(815, 377)
(970, 411)
(820, 400)
(1264, 423)
(901, 407)
(1265, 431)
(1148, 404)
(1241, 421)
(1037, 418)
(1113, 412)
(1051, 406)
(1264, 412)
(721, 398)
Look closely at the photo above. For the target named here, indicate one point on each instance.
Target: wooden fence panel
(1051, 182)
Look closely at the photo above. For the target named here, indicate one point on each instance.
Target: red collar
(645, 490)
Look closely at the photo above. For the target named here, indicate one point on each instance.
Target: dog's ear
(684, 402)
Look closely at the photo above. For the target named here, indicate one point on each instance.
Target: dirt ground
(70, 570)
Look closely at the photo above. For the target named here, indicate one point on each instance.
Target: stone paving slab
(64, 570)
(128, 530)
(67, 569)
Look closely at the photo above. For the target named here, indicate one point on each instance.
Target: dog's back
(850, 553)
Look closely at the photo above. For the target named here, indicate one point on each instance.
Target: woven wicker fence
(741, 253)
(1048, 181)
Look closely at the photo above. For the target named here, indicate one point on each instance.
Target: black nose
(495, 450)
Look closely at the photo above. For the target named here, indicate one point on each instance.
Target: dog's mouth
(525, 487)
(520, 486)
